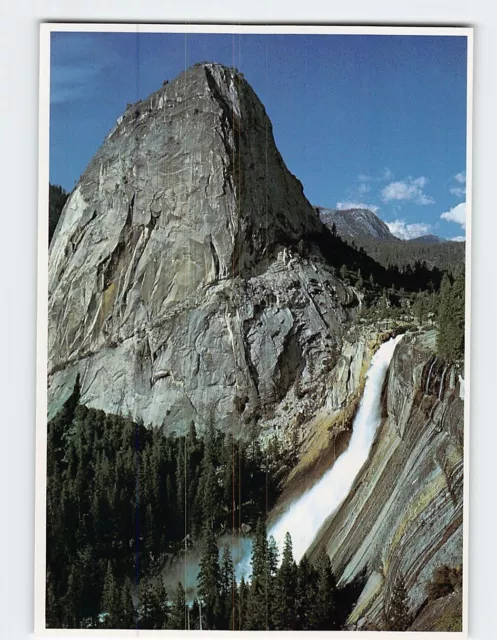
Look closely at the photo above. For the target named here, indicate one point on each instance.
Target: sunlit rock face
(356, 223)
(403, 516)
(180, 284)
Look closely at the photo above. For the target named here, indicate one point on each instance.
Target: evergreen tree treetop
(178, 617)
(209, 579)
(397, 615)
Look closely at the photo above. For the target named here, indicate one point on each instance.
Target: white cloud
(357, 205)
(456, 214)
(386, 174)
(459, 189)
(363, 188)
(409, 189)
(362, 177)
(458, 239)
(406, 231)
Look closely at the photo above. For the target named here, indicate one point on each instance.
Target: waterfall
(306, 515)
(429, 375)
(442, 384)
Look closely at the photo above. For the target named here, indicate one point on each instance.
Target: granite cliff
(181, 283)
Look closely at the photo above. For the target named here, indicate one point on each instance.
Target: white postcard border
(42, 310)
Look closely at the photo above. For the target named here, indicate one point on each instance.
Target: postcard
(253, 329)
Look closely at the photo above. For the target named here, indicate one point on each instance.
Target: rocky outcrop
(403, 517)
(181, 282)
(443, 614)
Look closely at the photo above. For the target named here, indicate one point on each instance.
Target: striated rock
(181, 282)
(403, 516)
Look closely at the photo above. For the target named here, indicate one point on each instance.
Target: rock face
(403, 516)
(356, 223)
(181, 282)
(443, 614)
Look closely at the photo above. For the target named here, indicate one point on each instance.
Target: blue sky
(360, 120)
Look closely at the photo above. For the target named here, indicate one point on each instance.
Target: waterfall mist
(306, 515)
(185, 568)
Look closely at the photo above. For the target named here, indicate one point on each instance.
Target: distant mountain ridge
(364, 228)
(353, 223)
(428, 239)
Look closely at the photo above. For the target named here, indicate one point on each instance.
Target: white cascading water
(305, 516)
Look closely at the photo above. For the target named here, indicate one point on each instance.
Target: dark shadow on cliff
(347, 597)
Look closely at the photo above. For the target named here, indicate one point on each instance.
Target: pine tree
(153, 606)
(227, 590)
(285, 591)
(180, 483)
(72, 602)
(209, 580)
(259, 552)
(230, 466)
(451, 318)
(127, 617)
(397, 616)
(178, 617)
(242, 605)
(51, 605)
(258, 608)
(325, 606)
(194, 457)
(110, 599)
(419, 306)
(458, 318)
(272, 557)
(193, 622)
(209, 495)
(305, 596)
(114, 603)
